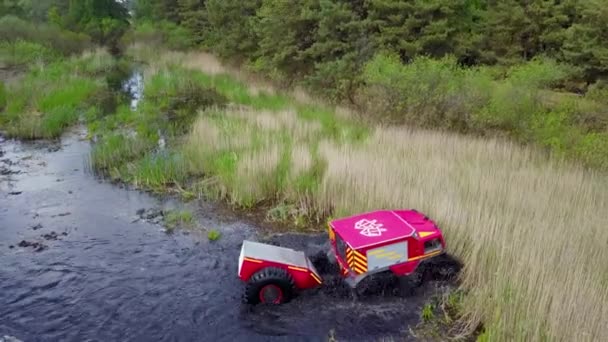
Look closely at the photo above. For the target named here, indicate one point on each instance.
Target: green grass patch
(157, 171)
(116, 149)
(51, 98)
(213, 235)
(175, 218)
(23, 53)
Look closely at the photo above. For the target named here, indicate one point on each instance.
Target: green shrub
(13, 29)
(94, 63)
(335, 80)
(592, 149)
(213, 235)
(22, 53)
(540, 73)
(553, 129)
(163, 33)
(598, 91)
(173, 97)
(426, 92)
(508, 108)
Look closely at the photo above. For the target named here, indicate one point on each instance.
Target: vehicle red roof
(378, 227)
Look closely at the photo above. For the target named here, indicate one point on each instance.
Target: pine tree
(284, 31)
(586, 42)
(341, 47)
(157, 10)
(193, 16)
(506, 31)
(231, 31)
(430, 27)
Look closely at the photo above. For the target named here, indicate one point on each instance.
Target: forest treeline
(328, 41)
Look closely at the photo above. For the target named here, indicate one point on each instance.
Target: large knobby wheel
(271, 285)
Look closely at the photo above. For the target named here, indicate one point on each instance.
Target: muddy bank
(106, 275)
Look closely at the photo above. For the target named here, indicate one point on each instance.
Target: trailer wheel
(270, 285)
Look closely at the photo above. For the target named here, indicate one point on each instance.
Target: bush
(174, 95)
(509, 108)
(22, 52)
(592, 149)
(13, 29)
(598, 91)
(163, 33)
(540, 73)
(426, 92)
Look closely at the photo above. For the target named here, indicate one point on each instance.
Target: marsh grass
(157, 171)
(51, 97)
(528, 226)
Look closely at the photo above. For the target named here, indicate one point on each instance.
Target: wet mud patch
(151, 215)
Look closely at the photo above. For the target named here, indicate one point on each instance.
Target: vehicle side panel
(303, 277)
(388, 255)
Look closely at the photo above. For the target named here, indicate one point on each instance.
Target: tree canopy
(103, 20)
(333, 37)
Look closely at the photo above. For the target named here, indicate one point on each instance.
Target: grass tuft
(175, 218)
(428, 312)
(213, 235)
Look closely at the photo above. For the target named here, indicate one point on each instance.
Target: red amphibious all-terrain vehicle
(363, 244)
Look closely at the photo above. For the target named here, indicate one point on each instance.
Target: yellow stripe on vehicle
(375, 251)
(316, 278)
(424, 256)
(359, 269)
(252, 260)
(298, 268)
(358, 254)
(360, 260)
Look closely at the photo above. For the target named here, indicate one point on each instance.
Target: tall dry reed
(531, 230)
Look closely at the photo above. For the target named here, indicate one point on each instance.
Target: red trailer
(363, 244)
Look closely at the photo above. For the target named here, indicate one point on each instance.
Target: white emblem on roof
(369, 228)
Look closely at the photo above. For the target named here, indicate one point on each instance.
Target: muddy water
(78, 263)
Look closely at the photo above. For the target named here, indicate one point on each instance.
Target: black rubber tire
(269, 276)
